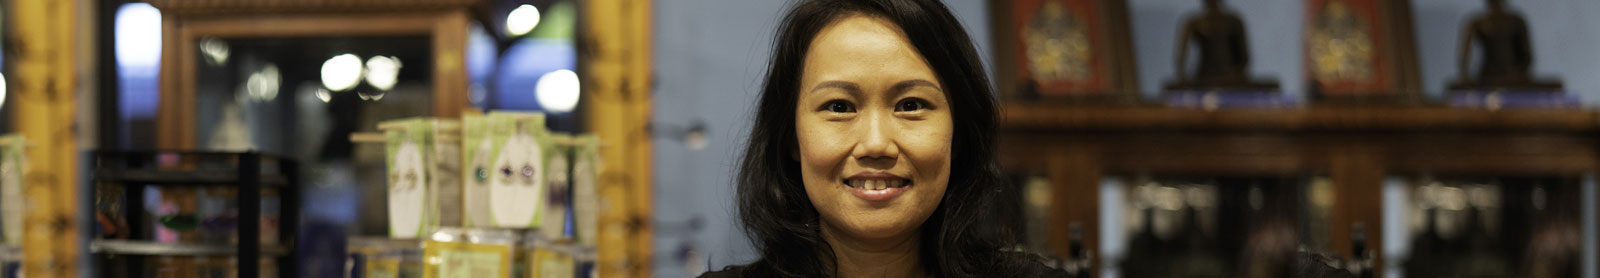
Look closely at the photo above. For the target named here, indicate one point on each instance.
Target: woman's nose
(877, 137)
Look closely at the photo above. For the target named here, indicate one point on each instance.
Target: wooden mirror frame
(185, 22)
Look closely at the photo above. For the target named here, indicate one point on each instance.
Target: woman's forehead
(861, 47)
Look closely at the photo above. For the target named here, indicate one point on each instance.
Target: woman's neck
(893, 257)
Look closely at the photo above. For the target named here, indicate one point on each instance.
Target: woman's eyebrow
(906, 85)
(849, 87)
(853, 88)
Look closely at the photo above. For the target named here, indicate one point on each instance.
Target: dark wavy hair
(774, 210)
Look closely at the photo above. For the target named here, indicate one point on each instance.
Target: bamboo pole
(45, 105)
(617, 82)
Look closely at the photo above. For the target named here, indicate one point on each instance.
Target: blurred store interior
(1368, 135)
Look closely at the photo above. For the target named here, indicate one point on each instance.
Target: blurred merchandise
(1215, 227)
(13, 162)
(586, 167)
(509, 157)
(463, 253)
(384, 258)
(10, 262)
(1495, 227)
(557, 187)
(424, 192)
(207, 213)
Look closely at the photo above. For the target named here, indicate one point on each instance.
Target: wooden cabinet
(1075, 146)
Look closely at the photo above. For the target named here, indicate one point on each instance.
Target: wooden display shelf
(1355, 146)
(123, 176)
(135, 247)
(1044, 117)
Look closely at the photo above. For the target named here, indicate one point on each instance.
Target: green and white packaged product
(445, 185)
(557, 185)
(514, 148)
(478, 152)
(424, 191)
(13, 162)
(407, 158)
(585, 172)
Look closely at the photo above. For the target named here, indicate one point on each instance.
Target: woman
(872, 152)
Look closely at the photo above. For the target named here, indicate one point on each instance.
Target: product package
(384, 258)
(444, 184)
(453, 253)
(507, 168)
(424, 191)
(551, 262)
(13, 161)
(553, 223)
(177, 215)
(585, 172)
(407, 141)
(478, 153)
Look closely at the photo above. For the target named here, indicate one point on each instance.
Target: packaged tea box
(468, 252)
(384, 258)
(585, 173)
(13, 161)
(551, 260)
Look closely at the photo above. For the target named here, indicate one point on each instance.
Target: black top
(1305, 265)
(1041, 271)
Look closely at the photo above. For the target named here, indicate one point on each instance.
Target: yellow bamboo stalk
(617, 82)
(44, 102)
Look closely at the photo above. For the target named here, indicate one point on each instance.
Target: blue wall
(710, 55)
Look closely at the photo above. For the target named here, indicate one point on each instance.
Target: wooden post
(45, 102)
(1076, 173)
(1358, 186)
(616, 84)
(449, 71)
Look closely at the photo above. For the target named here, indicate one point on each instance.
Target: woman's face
(874, 130)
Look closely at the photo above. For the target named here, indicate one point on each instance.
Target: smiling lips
(877, 186)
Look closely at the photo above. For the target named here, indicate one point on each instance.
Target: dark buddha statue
(1506, 53)
(1224, 52)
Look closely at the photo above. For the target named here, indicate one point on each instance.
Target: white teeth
(873, 184)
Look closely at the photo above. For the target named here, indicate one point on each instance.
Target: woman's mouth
(876, 187)
(876, 184)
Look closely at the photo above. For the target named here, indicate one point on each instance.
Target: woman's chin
(880, 225)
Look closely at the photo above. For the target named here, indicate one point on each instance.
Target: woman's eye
(838, 106)
(910, 105)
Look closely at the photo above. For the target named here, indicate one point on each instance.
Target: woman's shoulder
(1040, 270)
(732, 271)
(1031, 269)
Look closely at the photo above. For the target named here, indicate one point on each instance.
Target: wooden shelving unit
(1355, 146)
